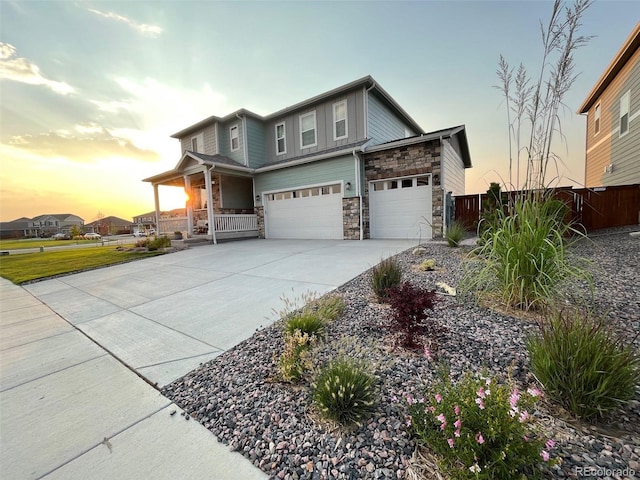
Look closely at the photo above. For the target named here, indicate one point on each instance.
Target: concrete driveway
(164, 316)
(72, 403)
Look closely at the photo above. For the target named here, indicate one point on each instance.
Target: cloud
(22, 70)
(143, 28)
(85, 144)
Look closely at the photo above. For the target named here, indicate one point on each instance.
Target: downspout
(356, 158)
(244, 138)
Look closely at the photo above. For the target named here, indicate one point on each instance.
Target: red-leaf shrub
(409, 317)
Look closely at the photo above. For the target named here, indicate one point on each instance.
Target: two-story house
(613, 120)
(349, 163)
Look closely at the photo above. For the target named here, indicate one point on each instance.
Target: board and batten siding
(324, 127)
(208, 139)
(225, 140)
(607, 147)
(255, 142)
(384, 125)
(319, 172)
(452, 169)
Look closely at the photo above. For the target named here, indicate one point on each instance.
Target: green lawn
(31, 266)
(38, 242)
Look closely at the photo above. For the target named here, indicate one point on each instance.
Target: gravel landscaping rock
(238, 397)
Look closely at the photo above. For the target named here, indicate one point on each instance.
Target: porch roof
(175, 175)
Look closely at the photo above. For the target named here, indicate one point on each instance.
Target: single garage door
(305, 213)
(401, 208)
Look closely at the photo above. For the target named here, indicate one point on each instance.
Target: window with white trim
(235, 140)
(194, 144)
(308, 130)
(596, 119)
(281, 141)
(624, 114)
(340, 120)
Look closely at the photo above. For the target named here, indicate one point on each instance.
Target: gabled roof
(459, 132)
(200, 158)
(627, 50)
(366, 82)
(112, 220)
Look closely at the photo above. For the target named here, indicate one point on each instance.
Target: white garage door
(305, 213)
(401, 208)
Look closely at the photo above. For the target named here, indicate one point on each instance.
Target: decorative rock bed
(274, 425)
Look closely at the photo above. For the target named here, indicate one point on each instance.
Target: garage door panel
(314, 217)
(401, 212)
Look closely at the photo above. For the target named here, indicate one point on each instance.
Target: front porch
(220, 199)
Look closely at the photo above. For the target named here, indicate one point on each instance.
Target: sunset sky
(90, 91)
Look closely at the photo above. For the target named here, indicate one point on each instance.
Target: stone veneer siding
(260, 221)
(351, 218)
(405, 161)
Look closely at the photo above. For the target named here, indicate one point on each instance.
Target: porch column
(210, 218)
(187, 188)
(156, 200)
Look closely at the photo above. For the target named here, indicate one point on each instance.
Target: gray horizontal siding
(324, 128)
(255, 142)
(208, 140)
(225, 140)
(384, 125)
(330, 170)
(452, 169)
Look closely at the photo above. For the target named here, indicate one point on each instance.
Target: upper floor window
(308, 129)
(596, 119)
(235, 140)
(624, 114)
(340, 120)
(194, 144)
(281, 144)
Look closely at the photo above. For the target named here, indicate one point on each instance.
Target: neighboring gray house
(41, 226)
(347, 164)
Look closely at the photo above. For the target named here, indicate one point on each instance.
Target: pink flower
(450, 442)
(545, 455)
(524, 416)
(480, 403)
(432, 409)
(475, 468)
(534, 392)
(409, 399)
(526, 439)
(457, 423)
(550, 444)
(479, 438)
(480, 392)
(438, 397)
(513, 399)
(441, 418)
(456, 410)
(443, 426)
(457, 432)
(427, 353)
(408, 422)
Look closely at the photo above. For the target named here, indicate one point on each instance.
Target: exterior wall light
(348, 186)
(257, 198)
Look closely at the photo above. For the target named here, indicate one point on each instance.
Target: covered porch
(219, 199)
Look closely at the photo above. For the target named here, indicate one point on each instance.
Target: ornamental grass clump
(524, 260)
(296, 358)
(307, 321)
(583, 364)
(345, 391)
(454, 234)
(329, 307)
(387, 274)
(479, 428)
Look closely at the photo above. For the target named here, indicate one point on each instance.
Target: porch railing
(223, 223)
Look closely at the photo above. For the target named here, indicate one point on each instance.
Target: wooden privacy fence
(592, 208)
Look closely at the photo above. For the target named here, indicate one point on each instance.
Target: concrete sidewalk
(73, 350)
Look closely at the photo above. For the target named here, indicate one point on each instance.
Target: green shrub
(428, 265)
(296, 358)
(524, 259)
(387, 274)
(344, 391)
(455, 233)
(306, 321)
(479, 428)
(159, 242)
(409, 316)
(583, 364)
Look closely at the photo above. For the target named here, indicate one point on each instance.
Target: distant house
(41, 226)
(349, 163)
(613, 120)
(110, 226)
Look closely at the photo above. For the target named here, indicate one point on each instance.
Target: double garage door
(401, 208)
(305, 213)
